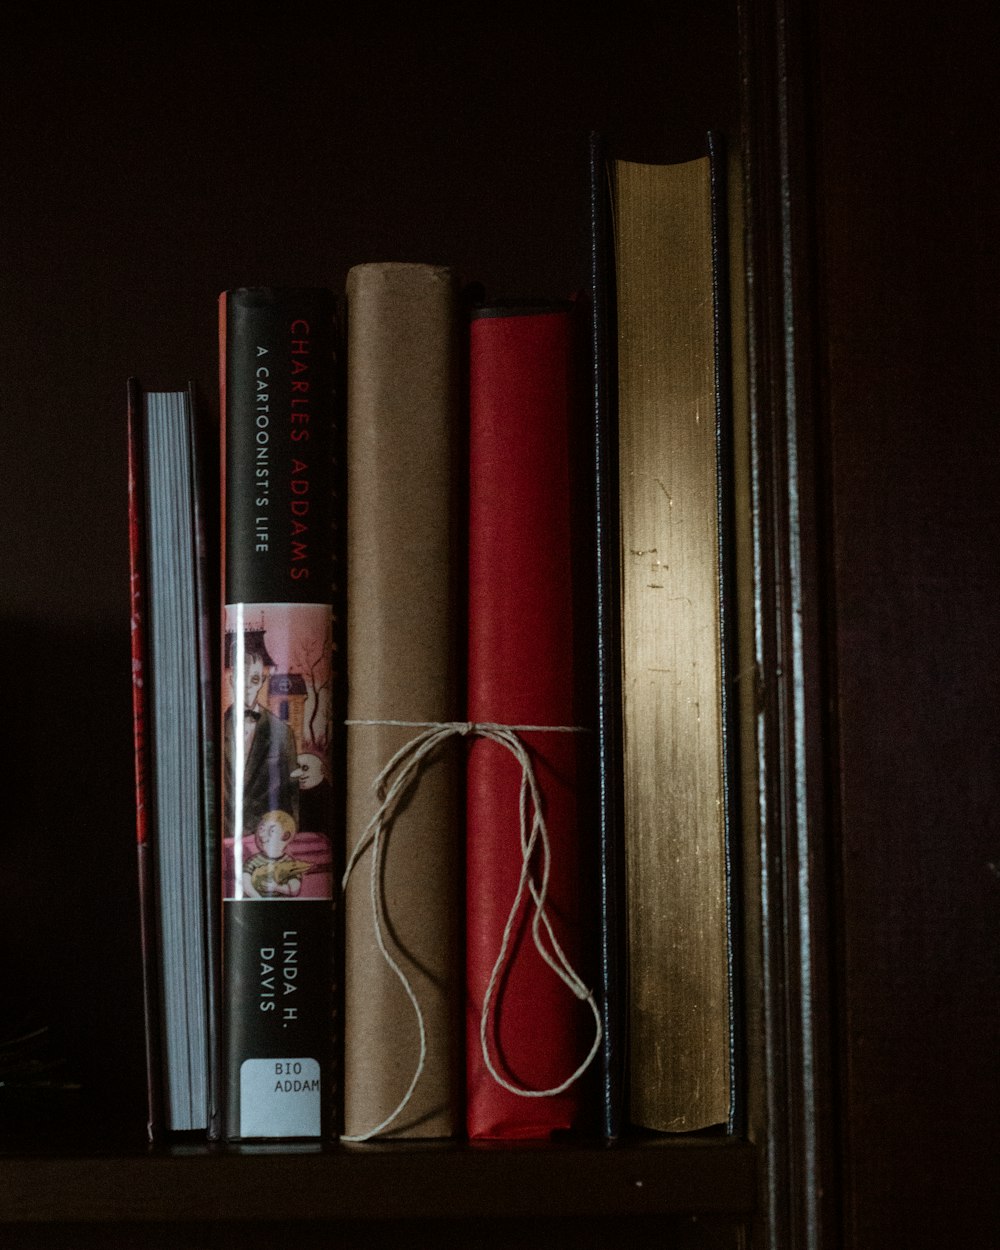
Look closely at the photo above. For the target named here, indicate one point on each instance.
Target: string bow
(392, 783)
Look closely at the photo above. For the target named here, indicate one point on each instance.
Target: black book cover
(728, 593)
(278, 375)
(612, 946)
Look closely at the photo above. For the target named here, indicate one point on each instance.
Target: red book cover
(524, 667)
(143, 778)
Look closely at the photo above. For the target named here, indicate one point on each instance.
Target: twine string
(392, 783)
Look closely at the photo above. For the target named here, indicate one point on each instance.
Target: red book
(140, 733)
(524, 653)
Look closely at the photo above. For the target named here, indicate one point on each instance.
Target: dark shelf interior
(145, 177)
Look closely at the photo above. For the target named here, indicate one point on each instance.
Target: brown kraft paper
(402, 422)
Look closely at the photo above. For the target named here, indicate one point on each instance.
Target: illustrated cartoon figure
(266, 744)
(315, 789)
(272, 872)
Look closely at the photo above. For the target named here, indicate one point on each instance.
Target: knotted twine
(389, 786)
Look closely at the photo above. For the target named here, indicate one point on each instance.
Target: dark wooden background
(139, 178)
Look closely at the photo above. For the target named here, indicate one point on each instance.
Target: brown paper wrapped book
(402, 665)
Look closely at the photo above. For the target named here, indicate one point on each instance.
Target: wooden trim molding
(794, 1115)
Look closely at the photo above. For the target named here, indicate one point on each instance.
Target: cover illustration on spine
(277, 377)
(276, 767)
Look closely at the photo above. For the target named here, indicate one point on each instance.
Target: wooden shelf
(427, 1181)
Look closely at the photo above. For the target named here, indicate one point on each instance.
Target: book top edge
(400, 266)
(654, 150)
(617, 163)
(521, 308)
(261, 295)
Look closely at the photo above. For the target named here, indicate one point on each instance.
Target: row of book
(433, 730)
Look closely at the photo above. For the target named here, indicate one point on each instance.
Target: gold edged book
(675, 750)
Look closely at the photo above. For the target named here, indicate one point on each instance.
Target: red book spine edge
(143, 774)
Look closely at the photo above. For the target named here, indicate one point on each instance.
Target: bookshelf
(170, 172)
(142, 178)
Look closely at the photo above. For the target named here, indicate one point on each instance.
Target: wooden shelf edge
(426, 1181)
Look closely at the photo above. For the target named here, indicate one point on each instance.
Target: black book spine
(728, 600)
(612, 945)
(279, 427)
